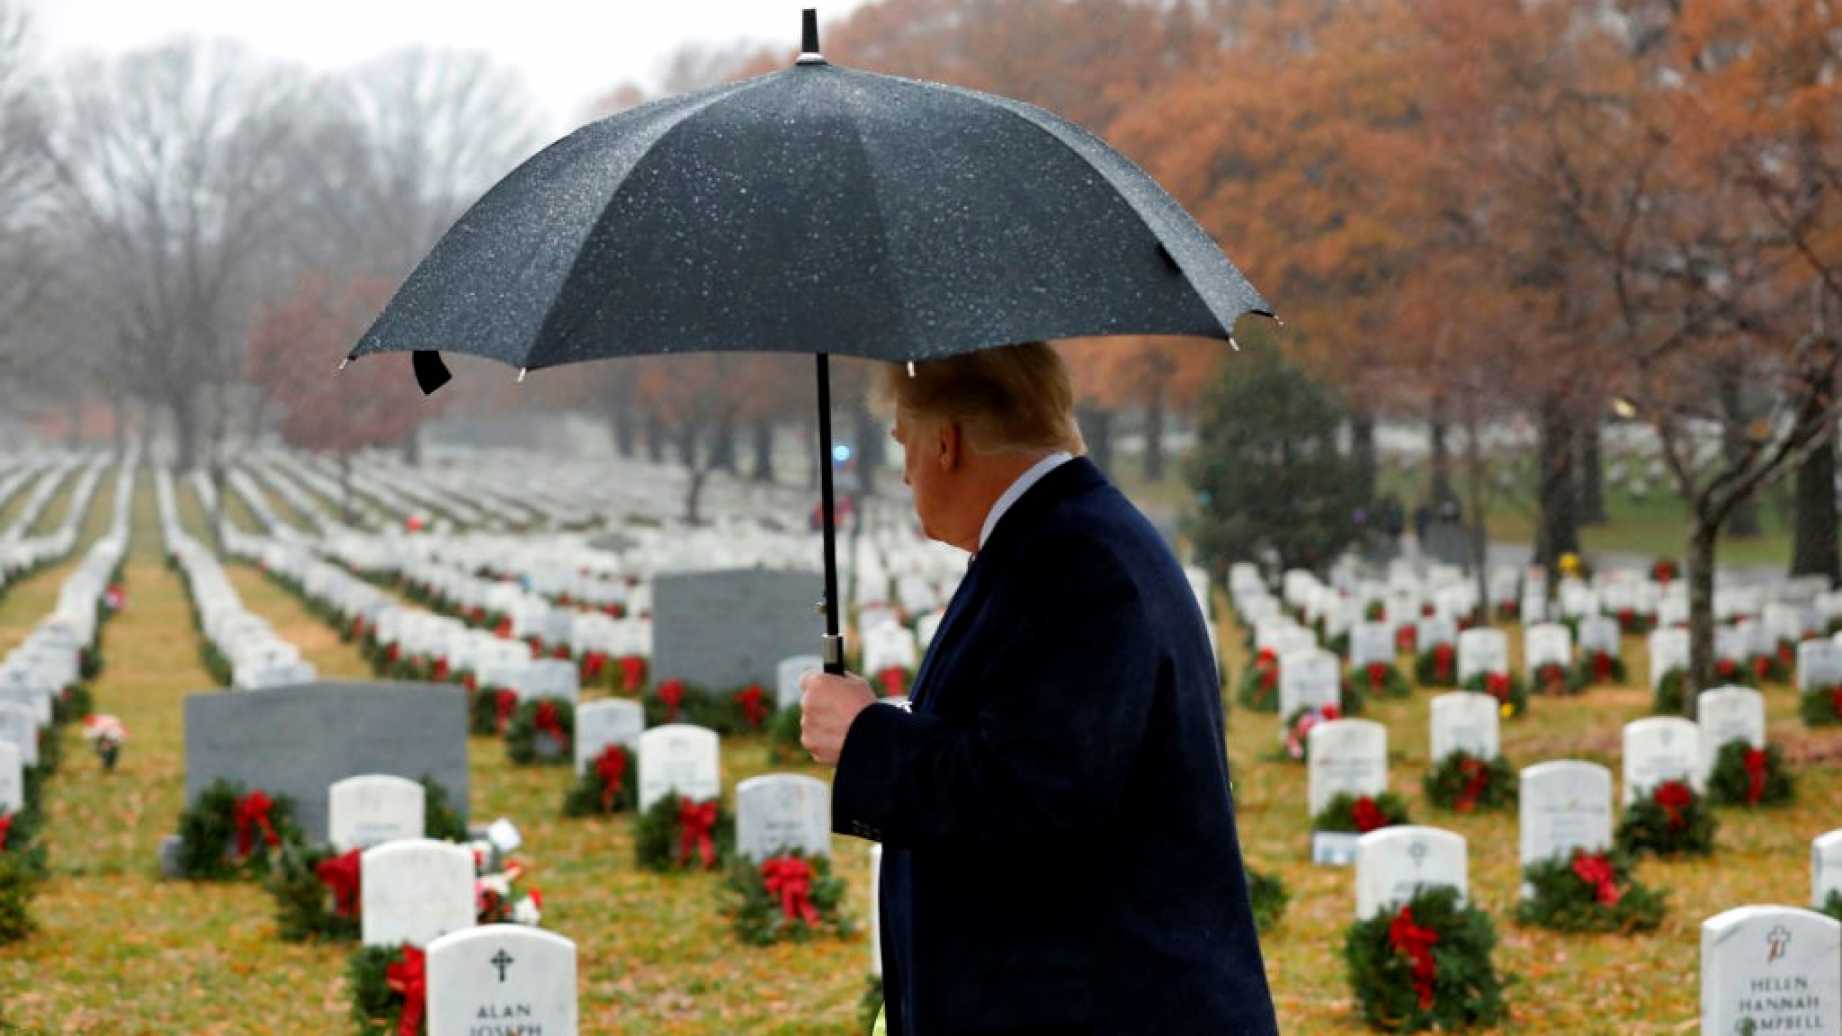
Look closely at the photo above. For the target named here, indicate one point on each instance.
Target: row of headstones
(1763, 968)
(257, 656)
(1351, 755)
(1818, 659)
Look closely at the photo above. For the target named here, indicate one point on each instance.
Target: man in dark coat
(1059, 841)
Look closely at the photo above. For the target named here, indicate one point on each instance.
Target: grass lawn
(120, 951)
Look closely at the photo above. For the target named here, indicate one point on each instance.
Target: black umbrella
(815, 210)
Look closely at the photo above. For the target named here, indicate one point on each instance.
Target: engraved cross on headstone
(1778, 938)
(1417, 852)
(501, 961)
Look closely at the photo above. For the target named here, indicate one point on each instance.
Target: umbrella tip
(521, 374)
(1235, 344)
(342, 364)
(809, 38)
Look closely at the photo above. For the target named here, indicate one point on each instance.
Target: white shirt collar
(1024, 481)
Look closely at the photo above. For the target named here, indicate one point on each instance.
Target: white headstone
(1727, 714)
(553, 678)
(1371, 642)
(1395, 863)
(1311, 678)
(680, 758)
(1598, 633)
(19, 727)
(1546, 643)
(1346, 755)
(12, 780)
(502, 980)
(787, 674)
(605, 722)
(779, 812)
(1819, 664)
(1777, 968)
(1439, 629)
(1562, 806)
(1659, 749)
(1825, 866)
(1482, 650)
(1669, 649)
(373, 808)
(1464, 721)
(414, 890)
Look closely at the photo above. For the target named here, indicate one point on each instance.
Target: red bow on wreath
(1477, 777)
(632, 672)
(340, 874)
(696, 822)
(409, 977)
(754, 712)
(789, 879)
(1602, 667)
(671, 692)
(392, 653)
(1674, 797)
(1497, 686)
(6, 823)
(894, 680)
(1762, 666)
(1725, 668)
(251, 813)
(1755, 776)
(503, 704)
(504, 628)
(1835, 700)
(610, 767)
(593, 664)
(358, 627)
(549, 722)
(1595, 870)
(1443, 657)
(1368, 815)
(440, 672)
(1378, 675)
(1406, 638)
(1416, 944)
(1553, 678)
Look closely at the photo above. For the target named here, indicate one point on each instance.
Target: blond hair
(1012, 398)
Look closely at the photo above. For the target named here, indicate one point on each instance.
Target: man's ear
(951, 443)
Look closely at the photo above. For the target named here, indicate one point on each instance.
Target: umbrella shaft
(832, 646)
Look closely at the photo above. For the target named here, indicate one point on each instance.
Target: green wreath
(440, 820)
(1566, 895)
(695, 705)
(483, 710)
(522, 733)
(1464, 783)
(72, 705)
(1832, 904)
(1684, 827)
(208, 835)
(1555, 679)
(658, 842)
(304, 904)
(19, 881)
(784, 746)
(375, 1006)
(590, 794)
(1462, 989)
(761, 919)
(1589, 670)
(1821, 706)
(1427, 665)
(1733, 783)
(1383, 678)
(1511, 693)
(1258, 687)
(1346, 814)
(1268, 895)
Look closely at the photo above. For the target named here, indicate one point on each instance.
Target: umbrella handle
(831, 645)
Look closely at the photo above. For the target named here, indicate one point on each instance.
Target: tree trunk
(764, 450)
(1743, 520)
(871, 451)
(620, 427)
(412, 447)
(118, 407)
(1813, 525)
(1559, 531)
(185, 432)
(1097, 430)
(1701, 611)
(723, 446)
(694, 495)
(1362, 449)
(1441, 456)
(1154, 433)
(687, 445)
(655, 439)
(1475, 481)
(1592, 476)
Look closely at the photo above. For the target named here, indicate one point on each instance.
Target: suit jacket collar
(1076, 476)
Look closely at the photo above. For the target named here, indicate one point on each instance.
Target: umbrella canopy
(822, 210)
(817, 209)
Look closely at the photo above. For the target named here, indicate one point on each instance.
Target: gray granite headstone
(297, 741)
(729, 628)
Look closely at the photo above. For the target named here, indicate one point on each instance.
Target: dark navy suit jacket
(1059, 842)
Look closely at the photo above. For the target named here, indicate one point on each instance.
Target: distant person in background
(1060, 853)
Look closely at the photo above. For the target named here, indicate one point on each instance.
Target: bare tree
(24, 274)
